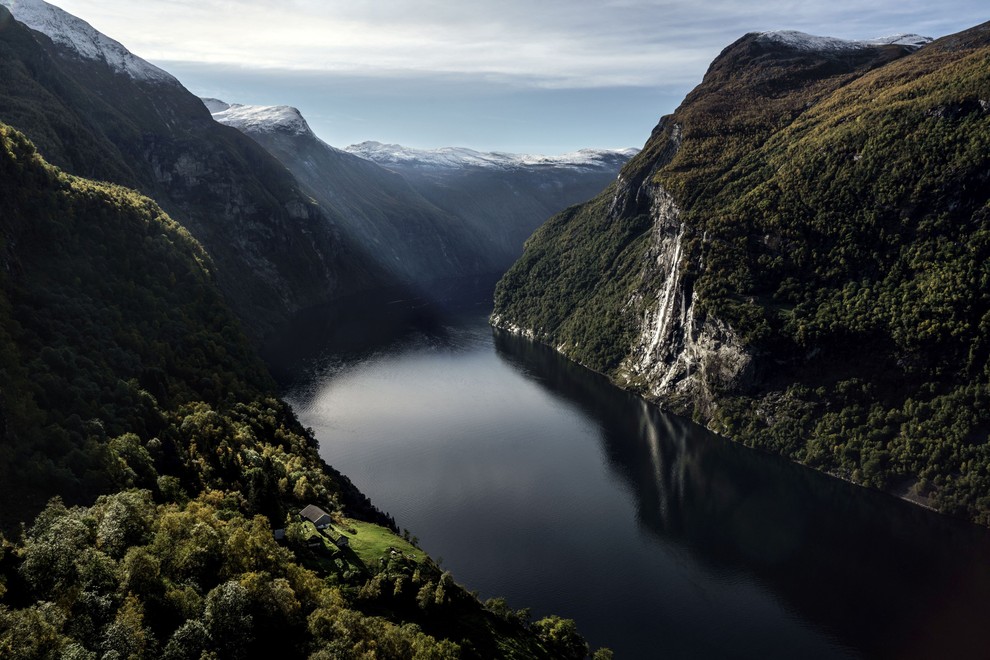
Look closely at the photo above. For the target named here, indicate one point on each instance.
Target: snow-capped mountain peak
(810, 42)
(259, 118)
(461, 157)
(76, 34)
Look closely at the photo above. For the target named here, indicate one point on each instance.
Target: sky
(529, 76)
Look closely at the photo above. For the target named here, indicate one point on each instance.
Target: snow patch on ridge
(810, 42)
(460, 157)
(259, 118)
(76, 34)
(215, 105)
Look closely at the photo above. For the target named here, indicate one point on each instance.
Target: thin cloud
(550, 44)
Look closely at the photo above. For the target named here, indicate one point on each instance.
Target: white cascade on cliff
(665, 309)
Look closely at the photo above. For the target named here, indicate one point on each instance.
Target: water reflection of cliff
(880, 575)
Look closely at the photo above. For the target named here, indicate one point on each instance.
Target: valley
(721, 396)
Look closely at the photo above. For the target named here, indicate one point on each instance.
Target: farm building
(316, 515)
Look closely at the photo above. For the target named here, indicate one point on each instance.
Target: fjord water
(536, 480)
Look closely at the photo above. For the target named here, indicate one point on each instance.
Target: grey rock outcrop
(679, 356)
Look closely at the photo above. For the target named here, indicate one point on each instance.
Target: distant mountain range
(799, 258)
(502, 197)
(427, 215)
(401, 233)
(459, 158)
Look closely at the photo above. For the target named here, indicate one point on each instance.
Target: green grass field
(368, 543)
(371, 542)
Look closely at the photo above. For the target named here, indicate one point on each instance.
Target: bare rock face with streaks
(792, 261)
(677, 357)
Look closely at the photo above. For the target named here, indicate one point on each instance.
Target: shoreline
(496, 322)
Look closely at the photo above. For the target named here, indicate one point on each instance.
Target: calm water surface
(536, 480)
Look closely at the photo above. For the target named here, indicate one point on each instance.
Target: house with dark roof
(316, 515)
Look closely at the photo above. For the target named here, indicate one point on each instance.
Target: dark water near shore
(536, 480)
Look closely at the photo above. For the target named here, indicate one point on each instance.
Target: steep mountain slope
(126, 386)
(79, 37)
(408, 237)
(99, 111)
(799, 259)
(501, 197)
(109, 317)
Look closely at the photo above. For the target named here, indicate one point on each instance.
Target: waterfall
(665, 312)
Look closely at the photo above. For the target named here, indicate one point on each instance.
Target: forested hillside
(799, 259)
(275, 249)
(129, 392)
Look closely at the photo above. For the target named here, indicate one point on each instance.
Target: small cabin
(314, 514)
(341, 542)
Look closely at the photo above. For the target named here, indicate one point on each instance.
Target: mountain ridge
(275, 249)
(401, 232)
(267, 118)
(458, 157)
(85, 41)
(760, 265)
(805, 41)
(458, 214)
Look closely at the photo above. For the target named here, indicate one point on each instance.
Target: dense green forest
(129, 392)
(835, 211)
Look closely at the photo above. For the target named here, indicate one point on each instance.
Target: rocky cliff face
(760, 265)
(679, 350)
(679, 357)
